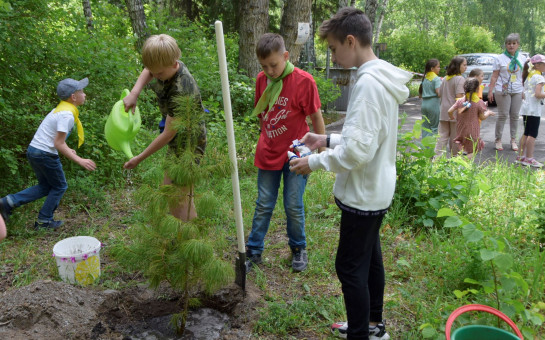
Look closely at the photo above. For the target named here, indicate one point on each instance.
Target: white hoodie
(364, 155)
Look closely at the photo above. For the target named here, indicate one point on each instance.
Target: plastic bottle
(291, 155)
(301, 148)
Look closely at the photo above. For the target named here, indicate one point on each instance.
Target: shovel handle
(482, 308)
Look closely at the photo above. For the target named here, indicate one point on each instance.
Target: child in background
(470, 109)
(429, 92)
(43, 155)
(160, 56)
(478, 74)
(532, 108)
(451, 89)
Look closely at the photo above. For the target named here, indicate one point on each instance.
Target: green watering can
(481, 332)
(121, 127)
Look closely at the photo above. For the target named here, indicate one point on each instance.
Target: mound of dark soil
(56, 310)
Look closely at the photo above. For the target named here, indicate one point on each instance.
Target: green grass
(425, 265)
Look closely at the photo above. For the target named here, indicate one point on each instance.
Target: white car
(484, 61)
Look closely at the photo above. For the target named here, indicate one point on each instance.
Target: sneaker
(339, 329)
(51, 225)
(5, 209)
(520, 159)
(532, 162)
(299, 261)
(251, 260)
(498, 145)
(377, 332)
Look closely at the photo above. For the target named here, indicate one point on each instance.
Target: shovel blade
(240, 271)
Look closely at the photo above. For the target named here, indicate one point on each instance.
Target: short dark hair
(348, 20)
(269, 43)
(454, 66)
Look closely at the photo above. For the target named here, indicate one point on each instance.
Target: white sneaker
(532, 162)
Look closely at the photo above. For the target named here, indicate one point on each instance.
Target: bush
(474, 39)
(410, 49)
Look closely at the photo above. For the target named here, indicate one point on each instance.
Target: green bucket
(481, 332)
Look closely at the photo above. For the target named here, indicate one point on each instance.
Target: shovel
(240, 266)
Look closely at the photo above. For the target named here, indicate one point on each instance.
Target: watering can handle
(130, 117)
(482, 308)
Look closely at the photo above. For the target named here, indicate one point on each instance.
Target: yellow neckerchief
(474, 97)
(533, 73)
(450, 77)
(431, 76)
(66, 106)
(480, 92)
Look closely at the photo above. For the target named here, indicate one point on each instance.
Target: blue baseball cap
(68, 86)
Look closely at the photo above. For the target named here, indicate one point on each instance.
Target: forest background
(42, 42)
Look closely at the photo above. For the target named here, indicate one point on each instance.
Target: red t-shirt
(287, 120)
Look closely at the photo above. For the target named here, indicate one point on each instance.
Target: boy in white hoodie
(363, 156)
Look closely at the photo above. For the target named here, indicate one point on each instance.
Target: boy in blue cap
(43, 155)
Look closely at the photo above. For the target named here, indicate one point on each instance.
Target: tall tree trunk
(88, 14)
(295, 11)
(177, 8)
(138, 21)
(254, 22)
(371, 10)
(347, 3)
(378, 26)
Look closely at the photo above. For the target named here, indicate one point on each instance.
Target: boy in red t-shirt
(285, 96)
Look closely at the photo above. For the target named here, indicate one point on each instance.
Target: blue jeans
(51, 183)
(268, 182)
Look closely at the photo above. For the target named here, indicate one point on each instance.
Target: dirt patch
(57, 310)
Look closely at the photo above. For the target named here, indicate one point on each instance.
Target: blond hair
(160, 51)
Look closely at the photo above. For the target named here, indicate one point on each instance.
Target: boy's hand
(314, 141)
(300, 166)
(87, 164)
(132, 163)
(130, 102)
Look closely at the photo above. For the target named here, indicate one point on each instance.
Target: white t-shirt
(532, 106)
(501, 63)
(44, 138)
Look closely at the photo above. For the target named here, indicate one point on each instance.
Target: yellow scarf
(474, 97)
(450, 77)
(532, 73)
(431, 76)
(66, 106)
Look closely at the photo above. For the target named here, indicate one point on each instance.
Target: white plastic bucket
(78, 259)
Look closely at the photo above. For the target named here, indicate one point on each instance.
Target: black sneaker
(251, 260)
(5, 209)
(51, 225)
(299, 261)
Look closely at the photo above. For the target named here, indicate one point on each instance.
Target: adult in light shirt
(507, 90)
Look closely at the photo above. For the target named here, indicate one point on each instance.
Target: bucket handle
(475, 307)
